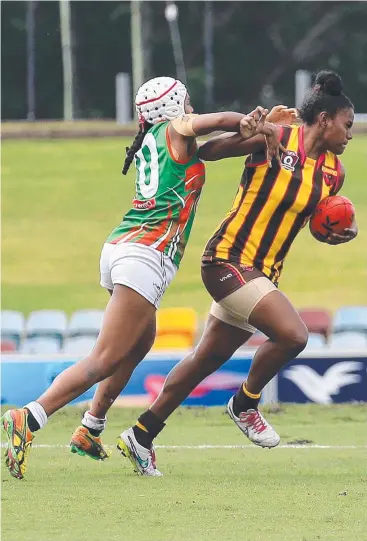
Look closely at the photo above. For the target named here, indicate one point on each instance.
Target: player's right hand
(347, 235)
(273, 146)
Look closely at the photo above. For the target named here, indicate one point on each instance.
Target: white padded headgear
(161, 98)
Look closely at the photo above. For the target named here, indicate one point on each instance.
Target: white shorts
(140, 267)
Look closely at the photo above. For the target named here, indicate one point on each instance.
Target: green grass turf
(61, 198)
(210, 494)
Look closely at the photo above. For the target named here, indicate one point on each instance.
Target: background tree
(258, 46)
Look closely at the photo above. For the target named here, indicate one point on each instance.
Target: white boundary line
(252, 446)
(204, 447)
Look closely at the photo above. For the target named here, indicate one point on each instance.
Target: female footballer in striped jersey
(138, 261)
(243, 260)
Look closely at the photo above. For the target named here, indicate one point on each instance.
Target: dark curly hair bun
(325, 95)
(329, 83)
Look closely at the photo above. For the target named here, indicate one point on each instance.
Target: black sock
(153, 427)
(243, 402)
(32, 422)
(93, 431)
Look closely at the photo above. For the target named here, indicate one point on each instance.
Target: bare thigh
(275, 316)
(220, 340)
(128, 319)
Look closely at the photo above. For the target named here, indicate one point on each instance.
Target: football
(332, 215)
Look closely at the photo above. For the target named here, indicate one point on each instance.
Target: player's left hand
(281, 114)
(346, 236)
(253, 123)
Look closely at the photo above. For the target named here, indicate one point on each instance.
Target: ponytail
(135, 146)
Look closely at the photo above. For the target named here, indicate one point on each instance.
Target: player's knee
(296, 340)
(105, 363)
(142, 348)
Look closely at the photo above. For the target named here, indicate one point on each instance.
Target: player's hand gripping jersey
(272, 205)
(167, 194)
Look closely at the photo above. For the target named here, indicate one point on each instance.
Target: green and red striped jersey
(167, 194)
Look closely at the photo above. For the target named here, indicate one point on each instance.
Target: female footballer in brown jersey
(243, 260)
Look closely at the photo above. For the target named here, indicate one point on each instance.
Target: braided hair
(144, 127)
(325, 95)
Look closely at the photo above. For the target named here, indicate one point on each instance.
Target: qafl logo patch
(289, 160)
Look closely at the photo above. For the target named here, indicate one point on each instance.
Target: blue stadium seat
(12, 326)
(79, 345)
(47, 323)
(315, 341)
(348, 340)
(85, 323)
(40, 346)
(350, 318)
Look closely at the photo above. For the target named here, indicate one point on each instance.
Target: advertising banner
(324, 380)
(24, 378)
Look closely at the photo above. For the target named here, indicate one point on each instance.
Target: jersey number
(148, 172)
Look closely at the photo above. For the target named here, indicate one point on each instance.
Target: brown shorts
(221, 278)
(236, 291)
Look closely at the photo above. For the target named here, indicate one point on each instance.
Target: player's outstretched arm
(184, 130)
(228, 122)
(234, 145)
(190, 126)
(230, 145)
(249, 140)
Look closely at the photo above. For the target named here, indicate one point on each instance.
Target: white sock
(38, 413)
(93, 422)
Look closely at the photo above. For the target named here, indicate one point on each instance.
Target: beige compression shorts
(236, 290)
(238, 306)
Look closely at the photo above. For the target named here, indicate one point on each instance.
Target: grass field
(61, 198)
(208, 494)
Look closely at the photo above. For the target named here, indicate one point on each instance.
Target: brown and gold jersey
(272, 205)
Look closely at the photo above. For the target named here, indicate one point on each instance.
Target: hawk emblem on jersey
(289, 160)
(329, 175)
(328, 179)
